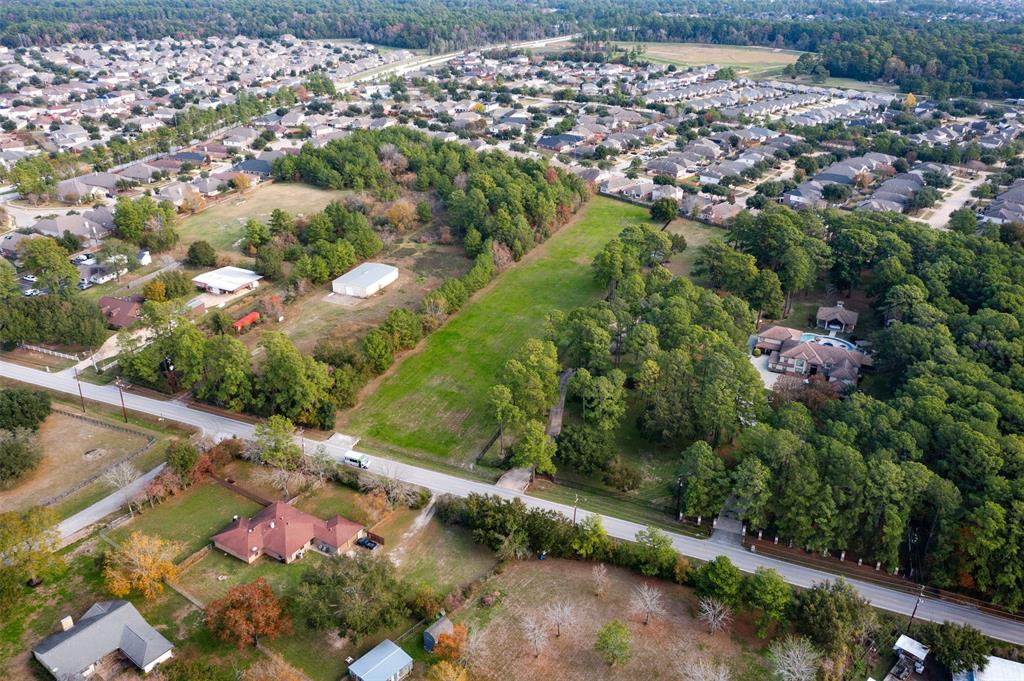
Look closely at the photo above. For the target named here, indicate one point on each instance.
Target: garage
(364, 280)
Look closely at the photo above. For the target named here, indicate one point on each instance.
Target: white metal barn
(227, 280)
(365, 280)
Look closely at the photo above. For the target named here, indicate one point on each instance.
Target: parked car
(366, 543)
(82, 285)
(31, 278)
(32, 292)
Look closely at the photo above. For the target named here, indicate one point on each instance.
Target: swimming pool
(827, 340)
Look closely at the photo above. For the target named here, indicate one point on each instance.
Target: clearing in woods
(660, 650)
(435, 400)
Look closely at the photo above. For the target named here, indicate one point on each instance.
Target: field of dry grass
(661, 650)
(753, 61)
(73, 450)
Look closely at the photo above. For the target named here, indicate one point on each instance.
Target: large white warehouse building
(364, 280)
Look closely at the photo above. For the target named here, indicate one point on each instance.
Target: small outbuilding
(442, 626)
(365, 279)
(386, 662)
(227, 280)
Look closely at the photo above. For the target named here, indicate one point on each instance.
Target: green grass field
(750, 61)
(221, 223)
(191, 517)
(435, 400)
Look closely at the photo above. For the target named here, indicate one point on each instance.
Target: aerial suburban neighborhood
(500, 339)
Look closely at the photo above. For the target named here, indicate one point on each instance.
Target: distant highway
(443, 483)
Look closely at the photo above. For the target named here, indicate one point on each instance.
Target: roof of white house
(227, 278)
(366, 274)
(997, 669)
(380, 664)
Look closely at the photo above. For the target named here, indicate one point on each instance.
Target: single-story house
(837, 318)
(10, 243)
(120, 312)
(79, 225)
(720, 213)
(227, 280)
(257, 167)
(442, 626)
(285, 533)
(364, 280)
(105, 628)
(386, 662)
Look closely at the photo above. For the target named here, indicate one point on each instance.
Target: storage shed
(386, 662)
(442, 626)
(365, 280)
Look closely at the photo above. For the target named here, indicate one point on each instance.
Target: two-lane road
(443, 483)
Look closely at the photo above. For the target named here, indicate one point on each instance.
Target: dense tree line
(926, 475)
(514, 202)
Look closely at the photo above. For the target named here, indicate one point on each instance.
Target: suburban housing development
(465, 341)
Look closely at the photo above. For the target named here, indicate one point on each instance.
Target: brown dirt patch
(73, 450)
(658, 648)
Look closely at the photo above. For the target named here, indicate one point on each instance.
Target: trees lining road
(442, 483)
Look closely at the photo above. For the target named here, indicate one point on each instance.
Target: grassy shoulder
(435, 400)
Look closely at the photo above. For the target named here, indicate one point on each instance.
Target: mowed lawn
(435, 401)
(190, 518)
(222, 222)
(751, 61)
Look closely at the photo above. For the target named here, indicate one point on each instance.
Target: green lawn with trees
(436, 400)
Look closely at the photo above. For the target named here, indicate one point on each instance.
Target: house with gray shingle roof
(106, 627)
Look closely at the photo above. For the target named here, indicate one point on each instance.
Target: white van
(358, 460)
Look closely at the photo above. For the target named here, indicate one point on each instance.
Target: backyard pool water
(827, 340)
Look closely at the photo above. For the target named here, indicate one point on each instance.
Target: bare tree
(535, 634)
(647, 601)
(120, 476)
(396, 491)
(560, 614)
(319, 465)
(281, 480)
(794, 659)
(703, 669)
(715, 614)
(599, 573)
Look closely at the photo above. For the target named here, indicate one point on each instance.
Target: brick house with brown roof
(285, 533)
(120, 313)
(789, 354)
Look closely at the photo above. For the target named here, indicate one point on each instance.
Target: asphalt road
(442, 483)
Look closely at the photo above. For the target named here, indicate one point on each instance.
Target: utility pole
(81, 395)
(576, 501)
(920, 597)
(124, 412)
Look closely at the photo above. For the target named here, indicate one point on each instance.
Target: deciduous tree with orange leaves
(248, 612)
(140, 565)
(452, 645)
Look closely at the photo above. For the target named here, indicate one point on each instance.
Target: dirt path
(417, 526)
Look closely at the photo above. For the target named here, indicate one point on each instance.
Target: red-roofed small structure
(246, 321)
(284, 532)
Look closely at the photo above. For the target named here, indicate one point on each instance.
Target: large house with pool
(791, 351)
